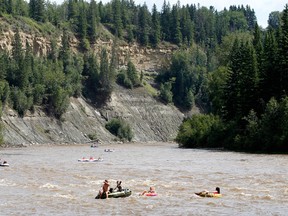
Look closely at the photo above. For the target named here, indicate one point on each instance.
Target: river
(48, 180)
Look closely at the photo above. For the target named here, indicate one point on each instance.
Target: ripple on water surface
(48, 180)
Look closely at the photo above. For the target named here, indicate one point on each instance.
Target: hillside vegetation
(220, 61)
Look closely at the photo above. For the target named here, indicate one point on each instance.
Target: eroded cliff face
(149, 119)
(144, 59)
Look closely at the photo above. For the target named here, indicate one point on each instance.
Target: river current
(49, 180)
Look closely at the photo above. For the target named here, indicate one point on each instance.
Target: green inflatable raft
(115, 194)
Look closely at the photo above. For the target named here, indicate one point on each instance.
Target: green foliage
(120, 129)
(200, 131)
(129, 77)
(186, 73)
(132, 74)
(123, 80)
(269, 132)
(92, 136)
(165, 92)
(216, 81)
(21, 102)
(156, 28)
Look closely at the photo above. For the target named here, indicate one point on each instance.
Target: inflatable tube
(208, 194)
(150, 194)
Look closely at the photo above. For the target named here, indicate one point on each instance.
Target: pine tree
(106, 77)
(176, 35)
(72, 9)
(10, 7)
(186, 25)
(117, 19)
(165, 21)
(269, 73)
(52, 53)
(156, 28)
(143, 25)
(82, 27)
(231, 89)
(241, 87)
(37, 10)
(17, 50)
(284, 52)
(93, 20)
(114, 56)
(257, 43)
(65, 50)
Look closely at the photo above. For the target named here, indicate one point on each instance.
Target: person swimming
(151, 190)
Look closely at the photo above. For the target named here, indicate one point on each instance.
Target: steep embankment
(149, 119)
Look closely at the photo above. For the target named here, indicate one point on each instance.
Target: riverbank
(149, 119)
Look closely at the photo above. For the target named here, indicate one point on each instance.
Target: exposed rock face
(149, 120)
(144, 59)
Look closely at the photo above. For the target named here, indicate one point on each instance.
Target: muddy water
(48, 180)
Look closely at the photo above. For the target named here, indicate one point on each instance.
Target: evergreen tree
(132, 74)
(270, 74)
(165, 21)
(72, 9)
(165, 92)
(37, 10)
(156, 28)
(65, 50)
(176, 35)
(106, 77)
(274, 20)
(284, 52)
(143, 25)
(241, 87)
(10, 7)
(117, 18)
(91, 75)
(257, 43)
(17, 50)
(114, 56)
(232, 88)
(83, 26)
(3, 8)
(186, 25)
(52, 53)
(93, 20)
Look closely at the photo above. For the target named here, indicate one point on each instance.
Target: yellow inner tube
(208, 194)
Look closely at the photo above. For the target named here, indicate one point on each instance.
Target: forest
(226, 64)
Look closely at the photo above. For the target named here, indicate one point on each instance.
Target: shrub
(120, 129)
(200, 131)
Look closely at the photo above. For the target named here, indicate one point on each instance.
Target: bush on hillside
(120, 129)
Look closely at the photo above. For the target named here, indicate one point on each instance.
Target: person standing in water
(105, 189)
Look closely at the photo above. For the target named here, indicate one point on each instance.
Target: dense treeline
(177, 24)
(226, 65)
(248, 95)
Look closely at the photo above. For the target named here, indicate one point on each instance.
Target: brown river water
(49, 180)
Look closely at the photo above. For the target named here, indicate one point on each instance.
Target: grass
(151, 91)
